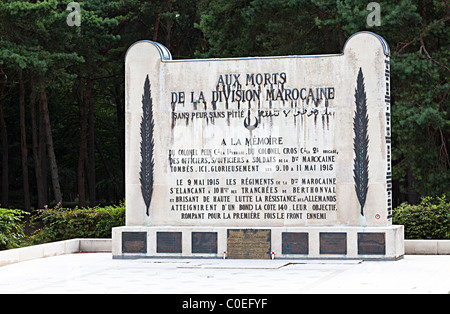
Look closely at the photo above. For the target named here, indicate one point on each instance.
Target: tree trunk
(91, 155)
(120, 114)
(168, 26)
(156, 28)
(4, 136)
(50, 147)
(43, 154)
(41, 190)
(83, 147)
(23, 143)
(108, 171)
(413, 196)
(326, 34)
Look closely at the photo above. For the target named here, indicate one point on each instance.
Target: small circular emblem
(247, 123)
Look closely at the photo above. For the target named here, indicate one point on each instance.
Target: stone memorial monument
(270, 157)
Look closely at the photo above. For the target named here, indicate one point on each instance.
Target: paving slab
(99, 273)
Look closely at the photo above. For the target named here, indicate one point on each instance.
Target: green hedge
(428, 220)
(63, 224)
(11, 228)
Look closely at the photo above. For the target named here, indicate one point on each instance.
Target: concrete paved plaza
(98, 273)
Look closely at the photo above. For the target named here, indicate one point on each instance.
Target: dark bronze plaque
(134, 242)
(204, 242)
(168, 242)
(294, 243)
(372, 243)
(248, 243)
(333, 243)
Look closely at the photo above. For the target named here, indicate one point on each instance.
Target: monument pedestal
(335, 242)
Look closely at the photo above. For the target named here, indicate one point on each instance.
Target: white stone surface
(259, 143)
(411, 247)
(53, 249)
(299, 124)
(97, 273)
(394, 241)
(428, 247)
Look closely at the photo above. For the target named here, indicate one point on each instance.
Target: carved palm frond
(361, 142)
(147, 146)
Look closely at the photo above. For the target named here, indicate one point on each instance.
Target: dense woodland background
(62, 88)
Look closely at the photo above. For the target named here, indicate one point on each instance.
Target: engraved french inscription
(249, 243)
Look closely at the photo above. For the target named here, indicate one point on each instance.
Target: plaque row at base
(258, 243)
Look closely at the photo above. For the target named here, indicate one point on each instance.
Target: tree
(416, 31)
(23, 142)
(4, 135)
(62, 105)
(24, 49)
